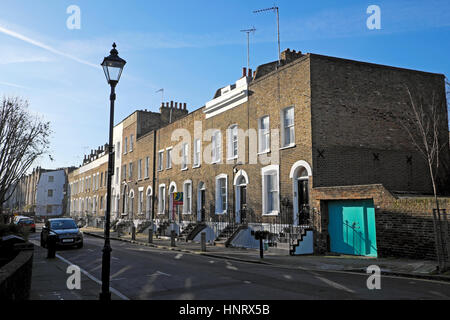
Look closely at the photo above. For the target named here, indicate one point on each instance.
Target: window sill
(184, 169)
(196, 167)
(271, 214)
(288, 147)
(264, 152)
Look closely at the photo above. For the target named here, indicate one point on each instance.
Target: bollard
(172, 239)
(203, 242)
(133, 233)
(150, 234)
(261, 249)
(51, 247)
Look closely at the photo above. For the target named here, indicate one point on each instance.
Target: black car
(65, 230)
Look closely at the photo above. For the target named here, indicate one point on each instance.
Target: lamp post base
(105, 296)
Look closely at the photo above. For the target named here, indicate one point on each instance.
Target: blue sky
(189, 48)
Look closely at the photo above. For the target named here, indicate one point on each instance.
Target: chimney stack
(250, 72)
(244, 72)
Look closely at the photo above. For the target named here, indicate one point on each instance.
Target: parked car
(25, 222)
(65, 230)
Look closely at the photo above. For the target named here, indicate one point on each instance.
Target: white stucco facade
(50, 193)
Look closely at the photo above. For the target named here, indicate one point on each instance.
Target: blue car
(65, 230)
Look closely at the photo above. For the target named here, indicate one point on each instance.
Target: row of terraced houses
(308, 149)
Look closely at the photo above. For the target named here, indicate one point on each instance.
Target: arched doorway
(131, 204)
(300, 175)
(240, 183)
(201, 202)
(172, 190)
(148, 205)
(125, 200)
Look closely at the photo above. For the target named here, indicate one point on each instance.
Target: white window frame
(216, 149)
(147, 167)
(161, 199)
(233, 142)
(197, 152)
(139, 169)
(219, 195)
(264, 135)
(184, 156)
(131, 143)
(118, 150)
(161, 160)
(270, 170)
(169, 158)
(284, 127)
(187, 189)
(125, 149)
(130, 171)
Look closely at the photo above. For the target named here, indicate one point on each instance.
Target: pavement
(422, 269)
(49, 280)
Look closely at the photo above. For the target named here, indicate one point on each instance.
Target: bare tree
(424, 127)
(23, 138)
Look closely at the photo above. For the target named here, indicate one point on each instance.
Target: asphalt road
(142, 273)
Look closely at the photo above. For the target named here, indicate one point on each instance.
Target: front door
(202, 206)
(243, 203)
(303, 201)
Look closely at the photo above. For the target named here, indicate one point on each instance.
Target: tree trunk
(440, 244)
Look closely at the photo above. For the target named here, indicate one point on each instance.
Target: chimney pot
(250, 73)
(244, 72)
(185, 106)
(171, 104)
(176, 105)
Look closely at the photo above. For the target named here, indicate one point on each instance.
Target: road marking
(439, 294)
(123, 297)
(159, 273)
(117, 293)
(335, 284)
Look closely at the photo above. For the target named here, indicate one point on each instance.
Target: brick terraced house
(310, 150)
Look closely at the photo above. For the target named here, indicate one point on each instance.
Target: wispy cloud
(45, 47)
(13, 85)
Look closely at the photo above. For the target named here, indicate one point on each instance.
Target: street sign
(178, 199)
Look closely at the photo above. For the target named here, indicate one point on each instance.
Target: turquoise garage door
(352, 227)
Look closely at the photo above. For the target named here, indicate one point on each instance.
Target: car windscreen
(63, 224)
(26, 221)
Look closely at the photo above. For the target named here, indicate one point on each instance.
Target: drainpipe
(154, 177)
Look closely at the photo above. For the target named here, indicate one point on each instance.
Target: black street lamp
(112, 66)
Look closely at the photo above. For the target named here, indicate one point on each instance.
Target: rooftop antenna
(162, 94)
(277, 10)
(248, 31)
